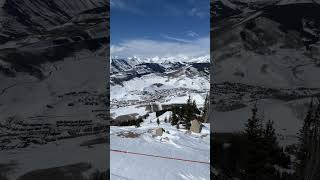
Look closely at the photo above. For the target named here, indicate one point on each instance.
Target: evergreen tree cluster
(255, 153)
(185, 114)
(263, 151)
(251, 155)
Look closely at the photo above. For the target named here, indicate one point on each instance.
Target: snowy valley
(265, 56)
(53, 96)
(137, 85)
(147, 90)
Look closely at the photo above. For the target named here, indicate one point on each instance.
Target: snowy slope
(269, 53)
(277, 46)
(287, 116)
(52, 94)
(147, 84)
(173, 143)
(135, 83)
(27, 17)
(42, 92)
(138, 84)
(286, 2)
(65, 152)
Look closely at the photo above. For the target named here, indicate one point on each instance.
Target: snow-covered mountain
(266, 54)
(136, 82)
(277, 46)
(265, 51)
(269, 54)
(144, 87)
(53, 99)
(221, 9)
(123, 64)
(29, 16)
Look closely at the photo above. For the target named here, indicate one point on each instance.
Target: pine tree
(205, 114)
(313, 163)
(304, 136)
(189, 113)
(189, 105)
(189, 101)
(270, 133)
(137, 123)
(253, 125)
(194, 106)
(308, 167)
(256, 153)
(270, 143)
(174, 118)
(158, 121)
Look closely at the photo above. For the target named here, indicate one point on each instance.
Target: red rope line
(163, 157)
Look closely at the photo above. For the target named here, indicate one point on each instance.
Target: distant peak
(166, 59)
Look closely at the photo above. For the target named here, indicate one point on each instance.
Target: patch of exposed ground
(128, 134)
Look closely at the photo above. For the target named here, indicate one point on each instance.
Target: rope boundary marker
(163, 157)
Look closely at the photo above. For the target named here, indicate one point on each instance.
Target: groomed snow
(65, 152)
(176, 143)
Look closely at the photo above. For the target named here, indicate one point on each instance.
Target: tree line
(255, 154)
(183, 115)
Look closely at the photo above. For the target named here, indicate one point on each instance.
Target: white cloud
(192, 34)
(198, 12)
(176, 39)
(145, 48)
(124, 6)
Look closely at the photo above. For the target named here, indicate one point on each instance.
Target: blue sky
(148, 28)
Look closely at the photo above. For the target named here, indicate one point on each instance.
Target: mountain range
(265, 53)
(53, 95)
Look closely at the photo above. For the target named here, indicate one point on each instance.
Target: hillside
(53, 96)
